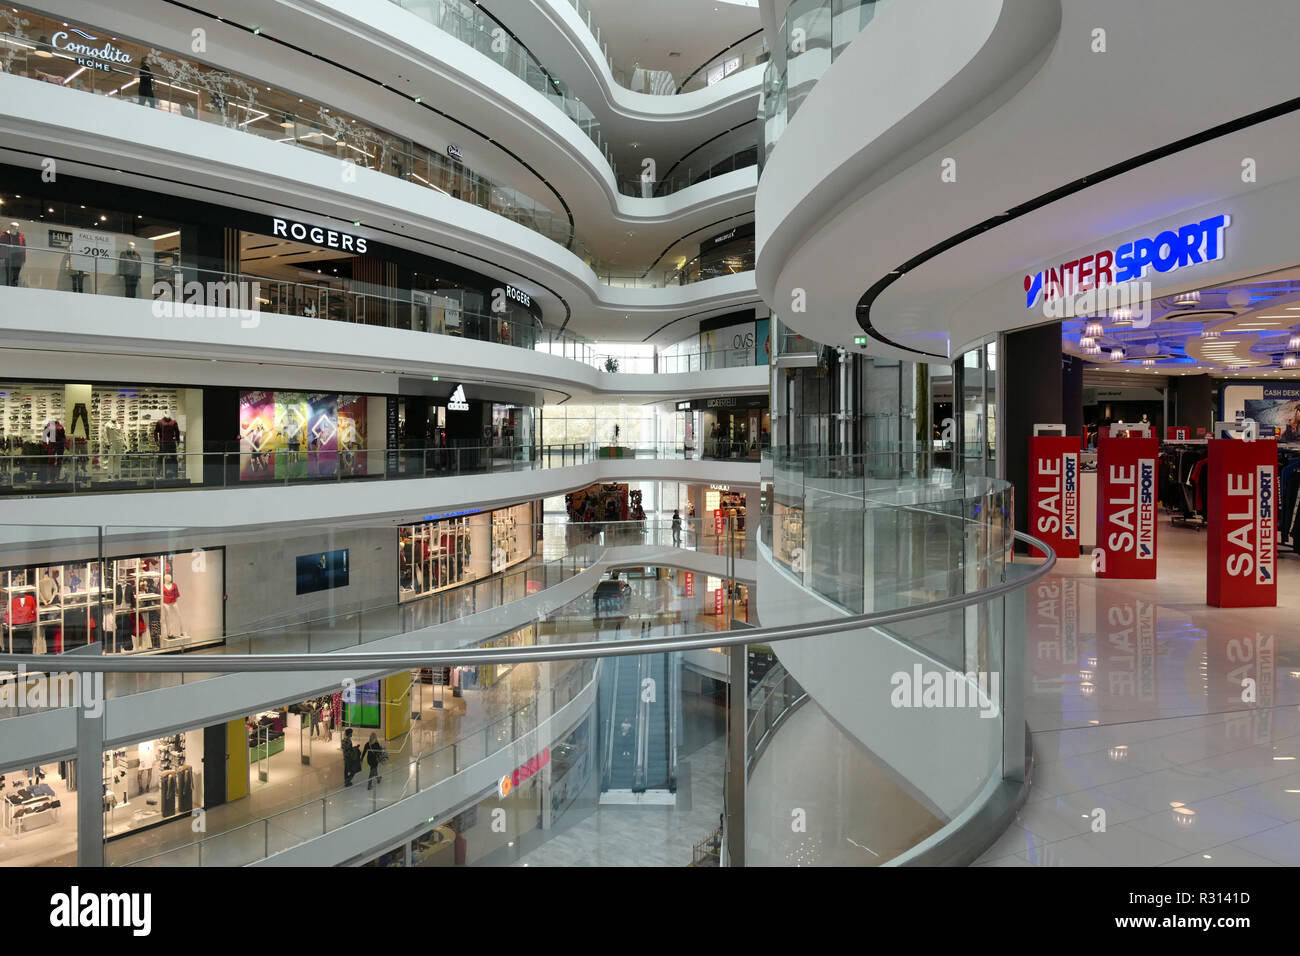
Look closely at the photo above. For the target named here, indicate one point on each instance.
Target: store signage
(529, 769)
(448, 514)
(453, 151)
(1126, 507)
(86, 53)
(88, 246)
(317, 235)
(688, 579)
(518, 295)
(717, 521)
(684, 406)
(458, 402)
(1054, 493)
(717, 601)
(1177, 432)
(1242, 566)
(1192, 244)
(719, 487)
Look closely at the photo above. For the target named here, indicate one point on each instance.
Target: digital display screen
(322, 571)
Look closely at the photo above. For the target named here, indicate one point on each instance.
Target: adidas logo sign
(457, 402)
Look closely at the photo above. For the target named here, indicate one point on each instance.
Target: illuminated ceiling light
(1087, 342)
(1293, 343)
(1209, 334)
(286, 123)
(1149, 363)
(1188, 299)
(1117, 354)
(1123, 316)
(1291, 361)
(1093, 329)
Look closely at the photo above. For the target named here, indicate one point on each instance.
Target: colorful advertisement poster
(292, 419)
(322, 435)
(257, 435)
(352, 434)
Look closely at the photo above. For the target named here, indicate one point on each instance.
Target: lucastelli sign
(99, 57)
(317, 235)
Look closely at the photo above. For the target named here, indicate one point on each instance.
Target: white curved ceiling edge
(462, 83)
(77, 127)
(1077, 114)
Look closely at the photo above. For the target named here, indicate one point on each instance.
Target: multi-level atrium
(597, 433)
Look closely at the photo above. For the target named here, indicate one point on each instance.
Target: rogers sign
(1192, 244)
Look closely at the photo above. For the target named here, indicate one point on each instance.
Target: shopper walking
(351, 758)
(677, 528)
(374, 754)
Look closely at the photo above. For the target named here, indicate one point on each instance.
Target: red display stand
(1127, 492)
(1242, 566)
(1054, 494)
(1177, 433)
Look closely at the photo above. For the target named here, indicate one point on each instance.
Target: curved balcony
(941, 555)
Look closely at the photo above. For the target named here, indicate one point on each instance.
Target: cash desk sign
(87, 54)
(1171, 249)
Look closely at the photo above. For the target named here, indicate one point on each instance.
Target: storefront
(152, 782)
(54, 437)
(302, 435)
(147, 603)
(456, 548)
(733, 427)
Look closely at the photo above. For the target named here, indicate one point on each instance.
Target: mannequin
(47, 588)
(55, 440)
(166, 434)
(144, 775)
(129, 268)
(77, 276)
(115, 439)
(13, 253)
(172, 623)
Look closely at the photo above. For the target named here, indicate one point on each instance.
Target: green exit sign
(859, 340)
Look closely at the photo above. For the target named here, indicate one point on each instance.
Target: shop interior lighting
(1149, 363)
(1123, 316)
(1188, 299)
(1293, 343)
(41, 51)
(1093, 329)
(1209, 334)
(286, 122)
(1291, 360)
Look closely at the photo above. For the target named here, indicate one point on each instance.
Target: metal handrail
(400, 660)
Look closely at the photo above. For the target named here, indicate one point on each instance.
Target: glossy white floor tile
(1175, 724)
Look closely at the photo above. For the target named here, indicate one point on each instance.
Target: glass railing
(811, 37)
(206, 95)
(29, 468)
(951, 601)
(688, 174)
(749, 51)
(469, 24)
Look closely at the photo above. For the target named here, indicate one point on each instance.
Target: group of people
(372, 754)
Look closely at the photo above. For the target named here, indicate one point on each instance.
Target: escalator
(639, 697)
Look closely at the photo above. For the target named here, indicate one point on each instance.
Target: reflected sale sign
(1054, 493)
(1127, 494)
(1242, 566)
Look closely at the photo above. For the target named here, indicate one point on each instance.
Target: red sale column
(1054, 493)
(1242, 566)
(1126, 507)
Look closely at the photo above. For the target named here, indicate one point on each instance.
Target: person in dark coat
(374, 754)
(146, 85)
(351, 759)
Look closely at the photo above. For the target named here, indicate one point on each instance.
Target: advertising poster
(292, 419)
(1126, 507)
(1054, 493)
(1274, 405)
(257, 435)
(1242, 567)
(352, 434)
(763, 339)
(322, 435)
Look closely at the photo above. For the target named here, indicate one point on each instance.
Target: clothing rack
(1183, 475)
(1288, 494)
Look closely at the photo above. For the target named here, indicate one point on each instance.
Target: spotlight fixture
(1291, 360)
(1149, 363)
(1209, 334)
(1123, 316)
(1087, 342)
(286, 123)
(1092, 350)
(1117, 354)
(1188, 299)
(1293, 343)
(1093, 329)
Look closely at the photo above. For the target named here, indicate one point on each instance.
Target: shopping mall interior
(710, 433)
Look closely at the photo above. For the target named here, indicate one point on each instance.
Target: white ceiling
(648, 33)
